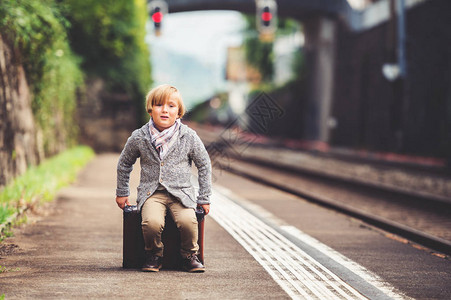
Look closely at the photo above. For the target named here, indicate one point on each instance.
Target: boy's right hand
(122, 202)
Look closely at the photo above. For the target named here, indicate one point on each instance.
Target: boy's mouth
(164, 117)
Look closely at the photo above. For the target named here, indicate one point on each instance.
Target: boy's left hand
(206, 208)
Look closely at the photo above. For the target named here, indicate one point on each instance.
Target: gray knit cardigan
(173, 172)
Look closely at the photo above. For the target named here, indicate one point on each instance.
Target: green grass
(41, 183)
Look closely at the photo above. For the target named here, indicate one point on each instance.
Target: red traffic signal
(266, 16)
(157, 17)
(157, 9)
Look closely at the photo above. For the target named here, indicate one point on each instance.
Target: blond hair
(161, 94)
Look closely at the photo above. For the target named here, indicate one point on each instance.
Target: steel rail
(414, 235)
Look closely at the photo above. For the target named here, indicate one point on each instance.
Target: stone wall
(105, 119)
(18, 134)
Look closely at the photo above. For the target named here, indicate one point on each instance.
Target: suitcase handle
(130, 208)
(200, 213)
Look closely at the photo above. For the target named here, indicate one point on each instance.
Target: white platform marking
(300, 275)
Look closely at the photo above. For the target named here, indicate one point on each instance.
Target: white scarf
(165, 139)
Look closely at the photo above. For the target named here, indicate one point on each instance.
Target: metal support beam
(289, 8)
(320, 54)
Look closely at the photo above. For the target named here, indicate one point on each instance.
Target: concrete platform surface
(260, 244)
(76, 252)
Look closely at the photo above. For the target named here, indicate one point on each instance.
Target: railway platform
(260, 243)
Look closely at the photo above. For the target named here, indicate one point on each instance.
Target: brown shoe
(192, 264)
(153, 263)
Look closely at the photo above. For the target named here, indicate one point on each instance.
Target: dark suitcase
(133, 241)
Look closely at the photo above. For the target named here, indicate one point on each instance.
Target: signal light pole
(266, 19)
(157, 9)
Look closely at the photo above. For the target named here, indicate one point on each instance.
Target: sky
(202, 36)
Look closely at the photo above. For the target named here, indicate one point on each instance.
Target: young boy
(166, 148)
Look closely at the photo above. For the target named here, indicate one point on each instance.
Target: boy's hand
(206, 208)
(122, 202)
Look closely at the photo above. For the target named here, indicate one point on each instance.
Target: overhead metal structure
(301, 9)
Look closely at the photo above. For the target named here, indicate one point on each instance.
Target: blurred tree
(259, 55)
(110, 37)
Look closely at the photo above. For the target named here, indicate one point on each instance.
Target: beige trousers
(153, 213)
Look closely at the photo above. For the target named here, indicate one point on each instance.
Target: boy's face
(164, 115)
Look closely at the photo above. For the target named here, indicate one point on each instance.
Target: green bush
(41, 183)
(38, 30)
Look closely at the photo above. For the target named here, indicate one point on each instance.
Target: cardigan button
(162, 163)
(148, 193)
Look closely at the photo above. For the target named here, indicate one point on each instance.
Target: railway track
(418, 223)
(420, 218)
